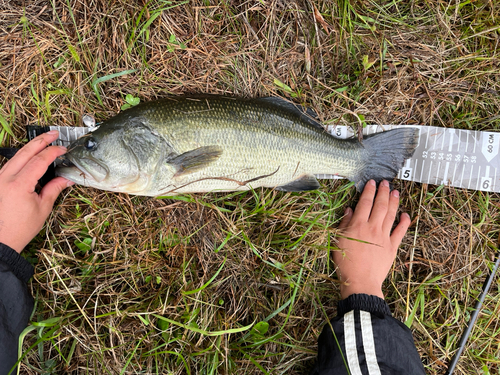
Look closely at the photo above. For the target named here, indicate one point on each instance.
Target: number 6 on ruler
(486, 184)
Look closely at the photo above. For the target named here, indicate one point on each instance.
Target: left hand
(368, 243)
(22, 210)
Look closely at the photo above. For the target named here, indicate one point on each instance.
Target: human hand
(363, 266)
(22, 210)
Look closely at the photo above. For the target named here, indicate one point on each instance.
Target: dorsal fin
(305, 114)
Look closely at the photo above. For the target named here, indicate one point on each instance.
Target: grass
(243, 282)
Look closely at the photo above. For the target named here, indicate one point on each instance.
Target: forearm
(16, 304)
(366, 339)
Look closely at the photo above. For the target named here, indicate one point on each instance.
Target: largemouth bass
(216, 144)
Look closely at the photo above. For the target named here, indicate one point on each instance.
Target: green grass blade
(208, 282)
(203, 332)
(107, 78)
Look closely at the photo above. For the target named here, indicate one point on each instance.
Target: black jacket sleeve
(16, 304)
(367, 340)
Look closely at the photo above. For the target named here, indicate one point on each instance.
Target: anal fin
(194, 160)
(303, 183)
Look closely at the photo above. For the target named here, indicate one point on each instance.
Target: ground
(243, 283)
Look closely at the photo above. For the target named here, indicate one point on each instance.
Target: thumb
(346, 219)
(52, 189)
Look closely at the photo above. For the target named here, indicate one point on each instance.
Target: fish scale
(186, 145)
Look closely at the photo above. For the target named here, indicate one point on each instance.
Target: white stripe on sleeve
(369, 343)
(350, 344)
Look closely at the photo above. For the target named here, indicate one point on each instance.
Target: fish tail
(387, 152)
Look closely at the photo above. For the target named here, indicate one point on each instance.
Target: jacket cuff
(18, 265)
(364, 302)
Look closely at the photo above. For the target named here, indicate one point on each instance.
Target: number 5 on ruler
(406, 173)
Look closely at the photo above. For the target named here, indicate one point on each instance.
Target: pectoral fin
(303, 183)
(194, 160)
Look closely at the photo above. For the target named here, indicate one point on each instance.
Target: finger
(365, 204)
(32, 148)
(38, 164)
(346, 219)
(391, 211)
(51, 191)
(399, 232)
(381, 204)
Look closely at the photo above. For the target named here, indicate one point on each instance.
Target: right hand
(363, 266)
(22, 210)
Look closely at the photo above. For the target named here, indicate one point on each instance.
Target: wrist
(13, 244)
(16, 263)
(347, 289)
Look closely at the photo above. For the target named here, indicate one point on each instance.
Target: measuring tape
(444, 156)
(453, 157)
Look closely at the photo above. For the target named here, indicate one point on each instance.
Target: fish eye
(90, 144)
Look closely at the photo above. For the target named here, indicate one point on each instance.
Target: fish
(182, 145)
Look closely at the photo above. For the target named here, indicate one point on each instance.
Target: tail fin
(387, 152)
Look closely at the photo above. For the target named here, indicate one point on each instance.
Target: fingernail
(384, 183)
(347, 211)
(371, 182)
(63, 148)
(69, 183)
(52, 132)
(395, 193)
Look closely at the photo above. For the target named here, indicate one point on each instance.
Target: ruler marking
(71, 134)
(470, 177)
(494, 181)
(429, 175)
(445, 181)
(67, 138)
(427, 139)
(487, 173)
(415, 169)
(460, 133)
(437, 174)
(454, 171)
(450, 145)
(422, 171)
(60, 139)
(489, 186)
(462, 179)
(478, 178)
(466, 142)
(443, 137)
(475, 141)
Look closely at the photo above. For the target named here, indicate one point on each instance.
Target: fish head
(114, 157)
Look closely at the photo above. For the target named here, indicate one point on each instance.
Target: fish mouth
(89, 167)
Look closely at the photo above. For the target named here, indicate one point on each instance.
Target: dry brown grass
(434, 63)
